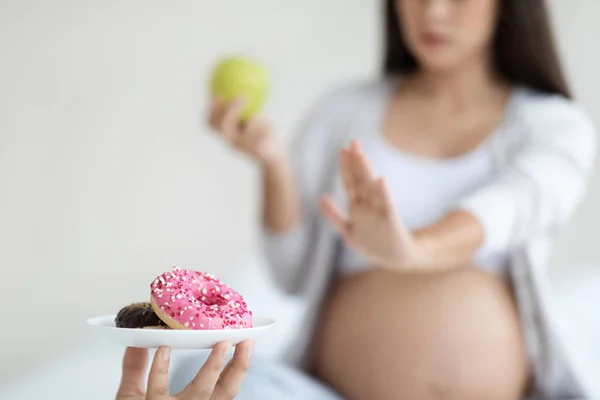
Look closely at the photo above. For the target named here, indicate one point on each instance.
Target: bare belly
(454, 335)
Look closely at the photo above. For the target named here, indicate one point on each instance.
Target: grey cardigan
(544, 151)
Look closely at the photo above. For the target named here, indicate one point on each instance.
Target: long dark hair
(524, 48)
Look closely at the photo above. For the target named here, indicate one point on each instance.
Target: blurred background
(108, 175)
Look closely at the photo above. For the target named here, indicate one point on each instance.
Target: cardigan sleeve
(543, 180)
(312, 152)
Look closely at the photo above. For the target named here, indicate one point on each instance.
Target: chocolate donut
(139, 315)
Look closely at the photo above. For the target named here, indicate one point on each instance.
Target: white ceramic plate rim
(101, 322)
(104, 327)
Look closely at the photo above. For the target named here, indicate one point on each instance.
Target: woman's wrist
(417, 254)
(423, 254)
(450, 243)
(275, 161)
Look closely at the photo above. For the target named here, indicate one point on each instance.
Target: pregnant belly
(452, 335)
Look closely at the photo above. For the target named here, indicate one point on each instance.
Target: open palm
(372, 227)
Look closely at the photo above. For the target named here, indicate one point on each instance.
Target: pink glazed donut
(186, 299)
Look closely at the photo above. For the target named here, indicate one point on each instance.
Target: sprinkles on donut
(193, 300)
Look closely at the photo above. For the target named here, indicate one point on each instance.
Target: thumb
(335, 217)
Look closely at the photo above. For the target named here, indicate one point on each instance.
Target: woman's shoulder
(553, 117)
(552, 110)
(335, 111)
(355, 94)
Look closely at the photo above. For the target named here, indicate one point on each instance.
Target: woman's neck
(460, 88)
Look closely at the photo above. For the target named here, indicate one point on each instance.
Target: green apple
(242, 77)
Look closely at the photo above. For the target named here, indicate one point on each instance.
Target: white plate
(176, 339)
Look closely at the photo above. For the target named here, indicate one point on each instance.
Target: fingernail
(166, 353)
(250, 349)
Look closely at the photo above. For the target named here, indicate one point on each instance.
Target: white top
(424, 189)
(543, 158)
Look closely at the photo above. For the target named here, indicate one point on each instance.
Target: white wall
(107, 176)
(578, 33)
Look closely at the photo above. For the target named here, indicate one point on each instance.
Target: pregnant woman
(415, 212)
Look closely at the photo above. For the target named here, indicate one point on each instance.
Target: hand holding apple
(239, 87)
(241, 78)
